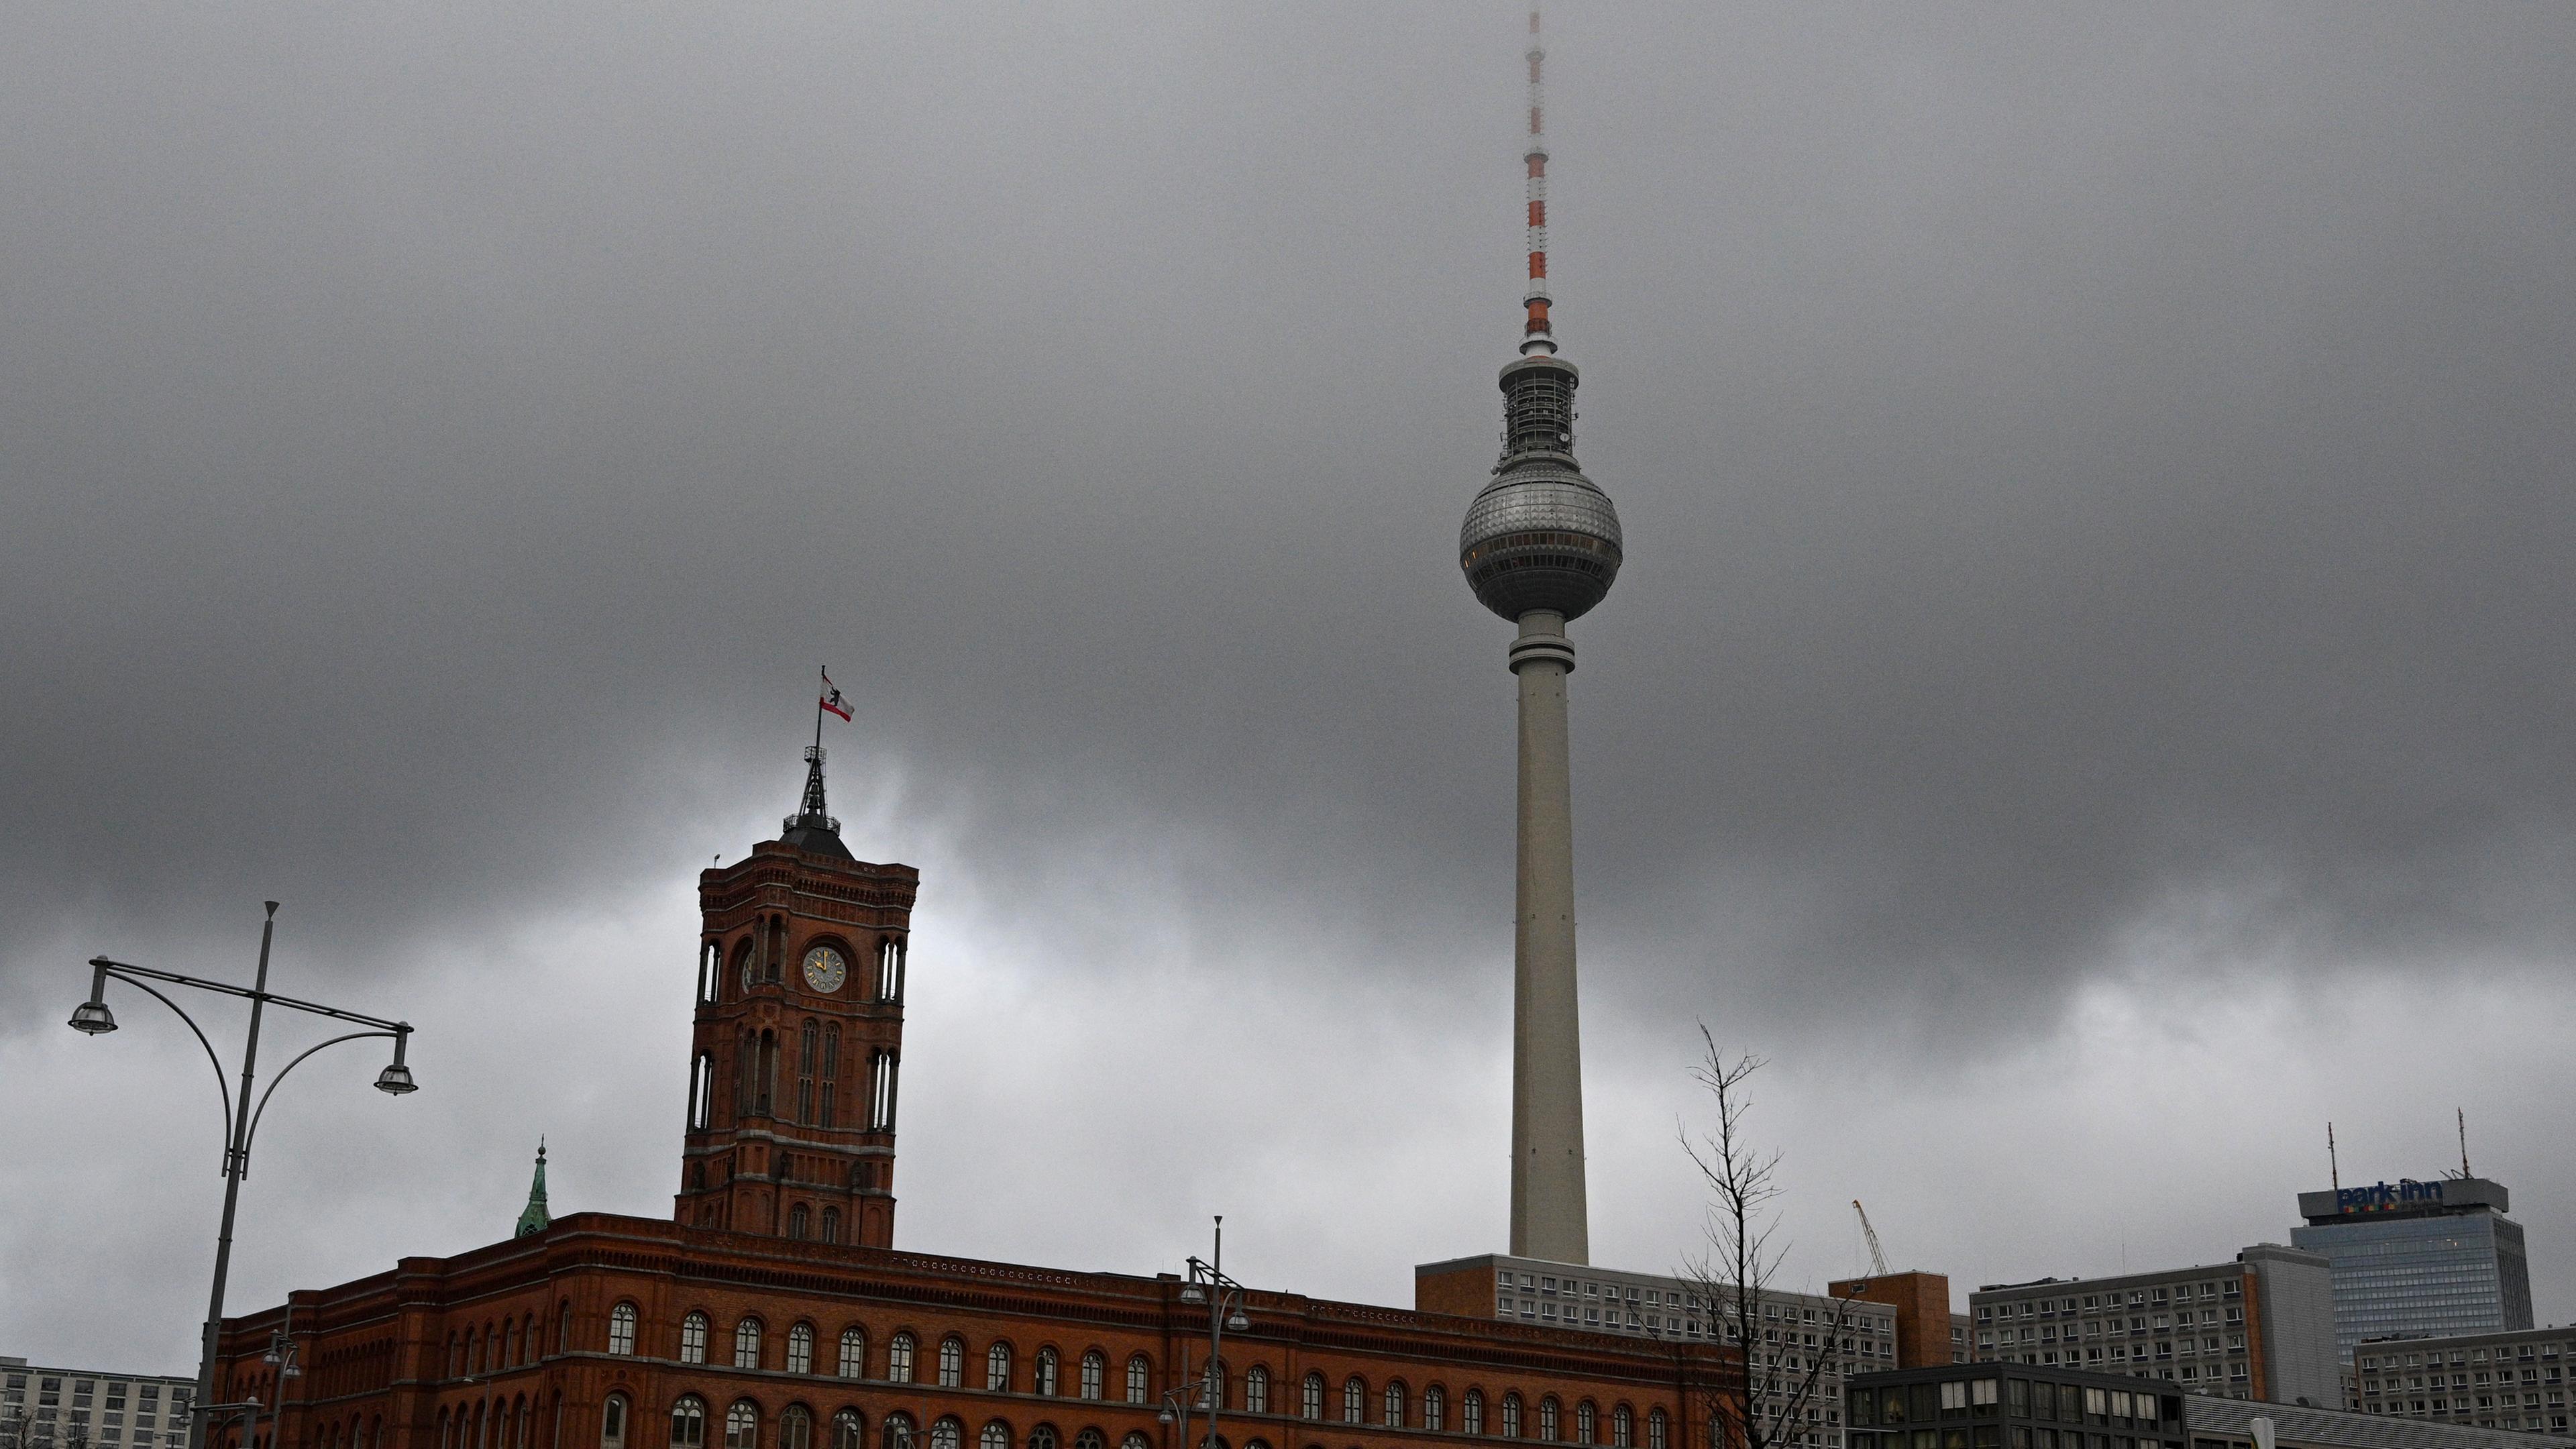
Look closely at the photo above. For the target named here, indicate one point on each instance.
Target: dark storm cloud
(2085, 471)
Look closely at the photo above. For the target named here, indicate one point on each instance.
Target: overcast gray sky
(2089, 696)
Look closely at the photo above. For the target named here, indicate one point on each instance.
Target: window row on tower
(761, 1084)
(828, 966)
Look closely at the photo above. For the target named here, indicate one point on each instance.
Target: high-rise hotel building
(2421, 1258)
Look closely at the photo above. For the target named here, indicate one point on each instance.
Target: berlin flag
(831, 699)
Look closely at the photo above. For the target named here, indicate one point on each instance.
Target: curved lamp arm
(217, 1062)
(262, 1109)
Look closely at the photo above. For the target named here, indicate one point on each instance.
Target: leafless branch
(1733, 1282)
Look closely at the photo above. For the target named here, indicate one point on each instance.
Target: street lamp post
(241, 1115)
(1223, 1296)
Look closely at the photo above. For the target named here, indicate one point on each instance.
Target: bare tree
(1791, 1365)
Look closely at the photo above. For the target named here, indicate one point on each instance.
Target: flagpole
(826, 672)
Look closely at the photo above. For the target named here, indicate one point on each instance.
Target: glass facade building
(2430, 1259)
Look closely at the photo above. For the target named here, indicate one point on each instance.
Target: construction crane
(1877, 1259)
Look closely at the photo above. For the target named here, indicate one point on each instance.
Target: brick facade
(793, 1073)
(607, 1332)
(519, 1346)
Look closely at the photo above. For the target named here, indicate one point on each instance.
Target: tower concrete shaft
(1550, 1219)
(1541, 545)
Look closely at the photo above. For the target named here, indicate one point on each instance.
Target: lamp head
(1193, 1294)
(1165, 1415)
(395, 1079)
(1235, 1322)
(92, 1018)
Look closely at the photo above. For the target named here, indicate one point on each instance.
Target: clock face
(825, 969)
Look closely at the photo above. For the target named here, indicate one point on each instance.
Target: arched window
(800, 1222)
(897, 1432)
(1547, 1418)
(997, 1435)
(854, 1353)
(1391, 1406)
(1256, 1391)
(1042, 1436)
(1094, 1370)
(742, 1425)
(952, 1365)
(1471, 1412)
(1511, 1416)
(1310, 1400)
(809, 1050)
(612, 1422)
(831, 1076)
(689, 1423)
(831, 1225)
(1140, 1379)
(746, 1346)
(693, 1338)
(563, 1329)
(890, 971)
(899, 1363)
(1623, 1428)
(1435, 1409)
(1090, 1439)
(1354, 1400)
(997, 1372)
(800, 1350)
(849, 1431)
(1134, 1441)
(1587, 1425)
(947, 1433)
(1046, 1383)
(1658, 1430)
(795, 1428)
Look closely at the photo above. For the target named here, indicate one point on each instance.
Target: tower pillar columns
(1549, 1218)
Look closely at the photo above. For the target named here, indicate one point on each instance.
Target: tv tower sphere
(1541, 536)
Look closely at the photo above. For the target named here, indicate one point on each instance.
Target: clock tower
(799, 1037)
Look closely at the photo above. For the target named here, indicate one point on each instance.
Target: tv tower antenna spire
(1535, 337)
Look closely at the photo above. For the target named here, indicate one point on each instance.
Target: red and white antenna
(1535, 338)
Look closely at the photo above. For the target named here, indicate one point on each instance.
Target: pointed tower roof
(812, 826)
(534, 1217)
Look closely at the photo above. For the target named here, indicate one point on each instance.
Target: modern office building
(1996, 1406)
(60, 1408)
(2261, 1327)
(2513, 1380)
(1909, 1317)
(2416, 1258)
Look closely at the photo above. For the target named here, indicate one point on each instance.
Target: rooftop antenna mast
(2334, 1170)
(2463, 1114)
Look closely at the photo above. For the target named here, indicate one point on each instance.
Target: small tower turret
(533, 1218)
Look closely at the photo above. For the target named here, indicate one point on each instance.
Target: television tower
(1540, 547)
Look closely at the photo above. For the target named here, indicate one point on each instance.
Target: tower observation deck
(1541, 546)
